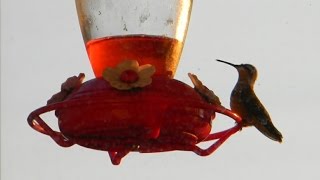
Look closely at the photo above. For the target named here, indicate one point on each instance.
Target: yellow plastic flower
(128, 74)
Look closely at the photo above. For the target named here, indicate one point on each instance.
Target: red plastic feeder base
(164, 116)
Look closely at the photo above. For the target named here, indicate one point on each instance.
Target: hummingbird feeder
(134, 104)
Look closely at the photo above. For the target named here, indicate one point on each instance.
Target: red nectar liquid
(161, 52)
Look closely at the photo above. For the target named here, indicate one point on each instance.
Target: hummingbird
(245, 103)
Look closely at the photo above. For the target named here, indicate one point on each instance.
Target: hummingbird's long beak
(234, 65)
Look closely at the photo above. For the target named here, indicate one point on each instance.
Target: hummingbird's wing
(255, 107)
(258, 115)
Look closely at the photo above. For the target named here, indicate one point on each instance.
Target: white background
(41, 46)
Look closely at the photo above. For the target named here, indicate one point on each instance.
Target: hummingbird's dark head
(247, 72)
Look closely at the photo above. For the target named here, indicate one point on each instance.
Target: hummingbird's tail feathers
(270, 131)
